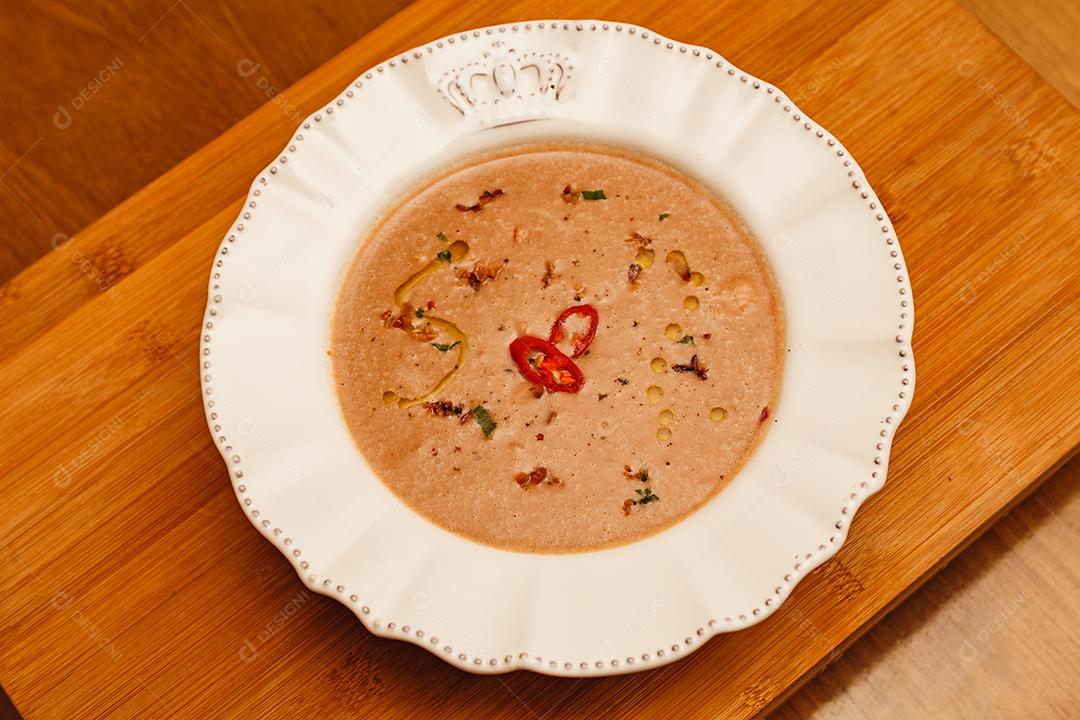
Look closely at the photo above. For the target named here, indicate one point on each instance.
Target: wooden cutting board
(132, 585)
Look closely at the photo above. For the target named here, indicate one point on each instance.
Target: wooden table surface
(132, 584)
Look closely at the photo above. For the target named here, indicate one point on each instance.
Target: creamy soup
(558, 347)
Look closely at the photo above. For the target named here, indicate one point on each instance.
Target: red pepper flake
(764, 414)
(707, 336)
(486, 197)
(695, 366)
(633, 272)
(430, 305)
(626, 507)
(539, 437)
(570, 195)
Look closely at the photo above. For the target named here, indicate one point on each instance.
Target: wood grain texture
(133, 586)
(1043, 32)
(112, 94)
(990, 636)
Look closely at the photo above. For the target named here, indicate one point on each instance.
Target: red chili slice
(555, 371)
(580, 342)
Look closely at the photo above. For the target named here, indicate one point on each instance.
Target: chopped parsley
(686, 340)
(443, 347)
(593, 195)
(444, 255)
(664, 216)
(420, 312)
(484, 420)
(442, 236)
(645, 496)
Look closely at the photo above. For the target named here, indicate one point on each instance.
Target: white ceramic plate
(271, 404)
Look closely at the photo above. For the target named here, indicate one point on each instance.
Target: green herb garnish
(593, 195)
(645, 496)
(420, 312)
(686, 340)
(484, 420)
(442, 236)
(443, 347)
(664, 216)
(444, 255)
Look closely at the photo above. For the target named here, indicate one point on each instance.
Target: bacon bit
(696, 366)
(764, 414)
(443, 408)
(486, 197)
(570, 195)
(539, 437)
(633, 272)
(406, 321)
(536, 476)
(636, 237)
(626, 506)
(479, 275)
(549, 274)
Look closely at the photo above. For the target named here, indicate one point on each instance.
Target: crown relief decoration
(504, 75)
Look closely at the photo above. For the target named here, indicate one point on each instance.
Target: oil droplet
(697, 279)
(679, 264)
(458, 249)
(667, 417)
(663, 434)
(655, 393)
(691, 302)
(645, 257)
(389, 397)
(717, 414)
(658, 364)
(673, 331)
